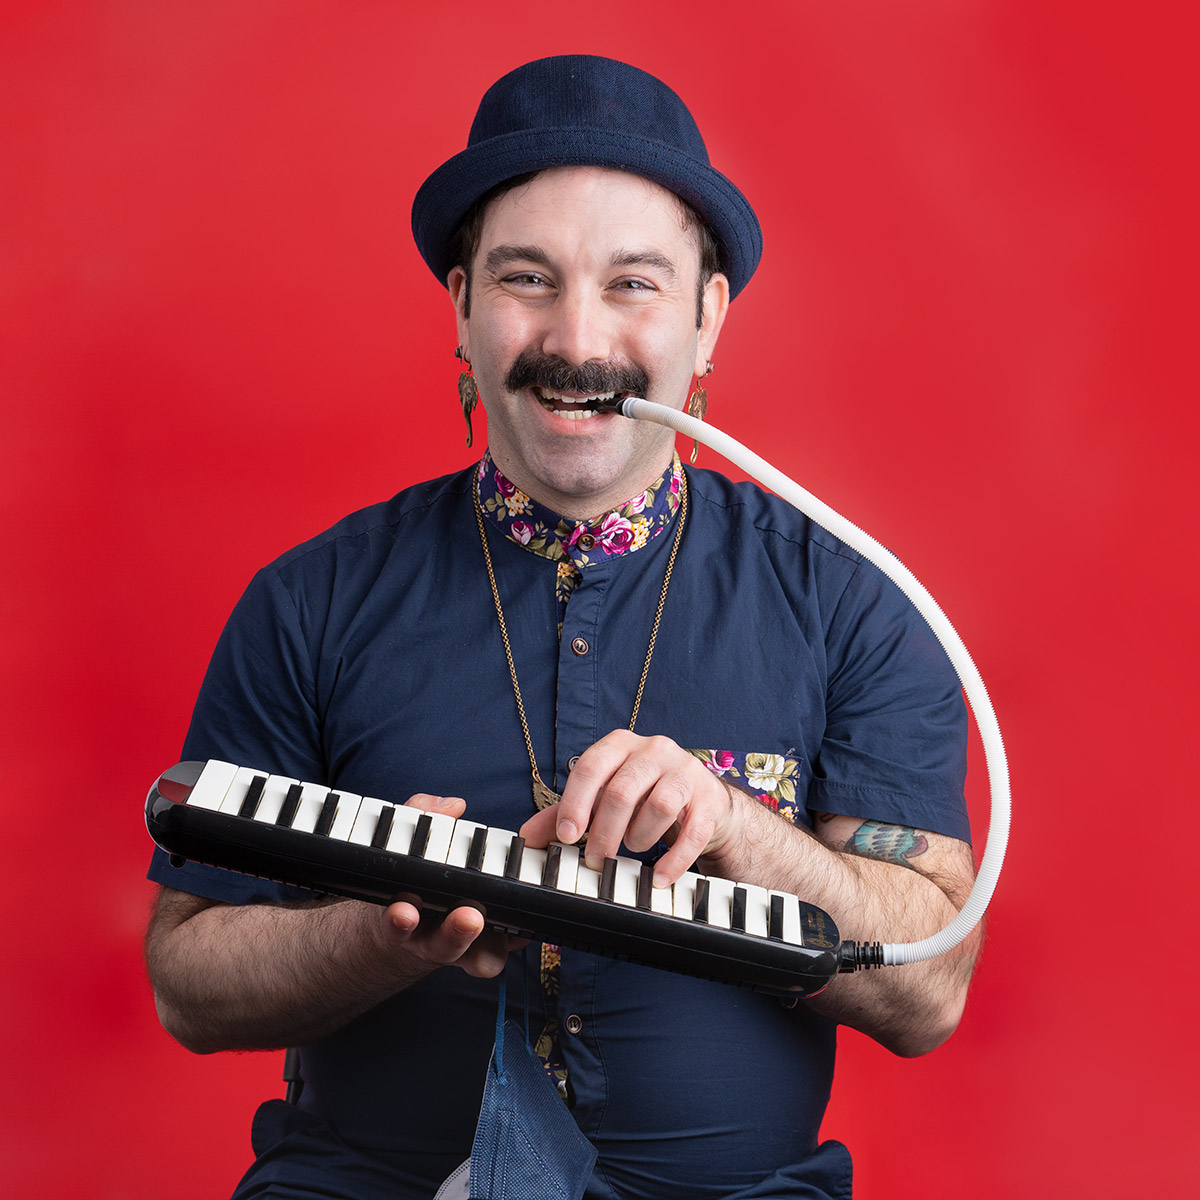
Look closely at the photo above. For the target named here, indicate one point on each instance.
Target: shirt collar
(613, 534)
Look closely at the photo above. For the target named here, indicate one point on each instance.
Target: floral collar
(578, 543)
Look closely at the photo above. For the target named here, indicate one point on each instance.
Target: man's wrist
(761, 846)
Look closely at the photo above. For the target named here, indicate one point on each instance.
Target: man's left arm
(878, 882)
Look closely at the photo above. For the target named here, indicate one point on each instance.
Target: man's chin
(582, 481)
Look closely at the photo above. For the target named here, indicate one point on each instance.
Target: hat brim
(446, 196)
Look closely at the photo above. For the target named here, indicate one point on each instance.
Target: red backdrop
(217, 337)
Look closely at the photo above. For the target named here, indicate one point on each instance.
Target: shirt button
(579, 645)
(574, 1023)
(572, 761)
(587, 542)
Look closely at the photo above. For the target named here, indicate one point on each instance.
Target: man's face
(589, 275)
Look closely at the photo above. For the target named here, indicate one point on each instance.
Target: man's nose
(578, 330)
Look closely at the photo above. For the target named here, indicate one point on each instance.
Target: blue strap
(525, 989)
(500, 1032)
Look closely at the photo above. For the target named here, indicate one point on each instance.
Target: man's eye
(634, 285)
(528, 279)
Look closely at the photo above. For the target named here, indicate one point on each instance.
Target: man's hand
(258, 976)
(638, 791)
(460, 939)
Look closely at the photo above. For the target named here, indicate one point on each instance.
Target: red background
(968, 334)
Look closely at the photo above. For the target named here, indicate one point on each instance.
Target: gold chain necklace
(543, 795)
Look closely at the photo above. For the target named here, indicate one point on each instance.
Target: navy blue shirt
(370, 659)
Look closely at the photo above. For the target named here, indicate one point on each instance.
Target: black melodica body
(367, 849)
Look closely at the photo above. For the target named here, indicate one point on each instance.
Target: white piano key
(312, 800)
(720, 902)
(758, 909)
(404, 824)
(209, 790)
(460, 842)
(238, 788)
(533, 863)
(684, 895)
(662, 901)
(366, 820)
(568, 869)
(495, 850)
(441, 831)
(792, 933)
(273, 796)
(587, 881)
(347, 812)
(625, 885)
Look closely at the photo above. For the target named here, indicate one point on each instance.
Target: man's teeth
(574, 408)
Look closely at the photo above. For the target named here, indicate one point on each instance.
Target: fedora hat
(579, 110)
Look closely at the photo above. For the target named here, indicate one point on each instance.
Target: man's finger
(588, 780)
(442, 944)
(695, 832)
(404, 916)
(452, 806)
(541, 829)
(454, 936)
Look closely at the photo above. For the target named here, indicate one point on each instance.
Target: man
(790, 724)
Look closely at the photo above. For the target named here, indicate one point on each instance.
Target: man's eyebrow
(502, 256)
(646, 258)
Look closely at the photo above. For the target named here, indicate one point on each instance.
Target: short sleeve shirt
(369, 658)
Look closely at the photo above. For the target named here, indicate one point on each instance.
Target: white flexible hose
(972, 682)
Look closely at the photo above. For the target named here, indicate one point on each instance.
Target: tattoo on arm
(889, 843)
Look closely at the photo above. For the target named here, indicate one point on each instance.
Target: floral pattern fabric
(548, 1045)
(575, 545)
(769, 777)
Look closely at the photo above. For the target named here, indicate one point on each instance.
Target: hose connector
(616, 404)
(859, 956)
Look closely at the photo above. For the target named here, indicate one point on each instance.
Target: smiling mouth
(574, 408)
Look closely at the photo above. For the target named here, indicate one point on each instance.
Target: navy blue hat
(578, 110)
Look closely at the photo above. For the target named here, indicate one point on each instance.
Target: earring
(697, 407)
(468, 393)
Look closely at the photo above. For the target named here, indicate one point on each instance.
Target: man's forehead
(638, 213)
(636, 193)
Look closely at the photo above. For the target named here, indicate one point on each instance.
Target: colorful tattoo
(889, 843)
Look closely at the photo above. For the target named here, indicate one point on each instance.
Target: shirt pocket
(772, 777)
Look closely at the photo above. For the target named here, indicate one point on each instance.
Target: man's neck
(589, 507)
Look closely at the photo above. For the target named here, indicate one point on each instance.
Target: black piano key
(700, 902)
(291, 802)
(516, 851)
(328, 812)
(420, 837)
(775, 922)
(478, 845)
(645, 887)
(608, 879)
(737, 917)
(383, 827)
(550, 870)
(253, 796)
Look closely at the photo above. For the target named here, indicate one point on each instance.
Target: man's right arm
(257, 976)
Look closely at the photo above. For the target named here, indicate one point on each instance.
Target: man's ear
(458, 286)
(715, 306)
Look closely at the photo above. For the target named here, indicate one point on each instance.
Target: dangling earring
(468, 393)
(697, 407)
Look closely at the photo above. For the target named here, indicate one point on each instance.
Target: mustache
(532, 368)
